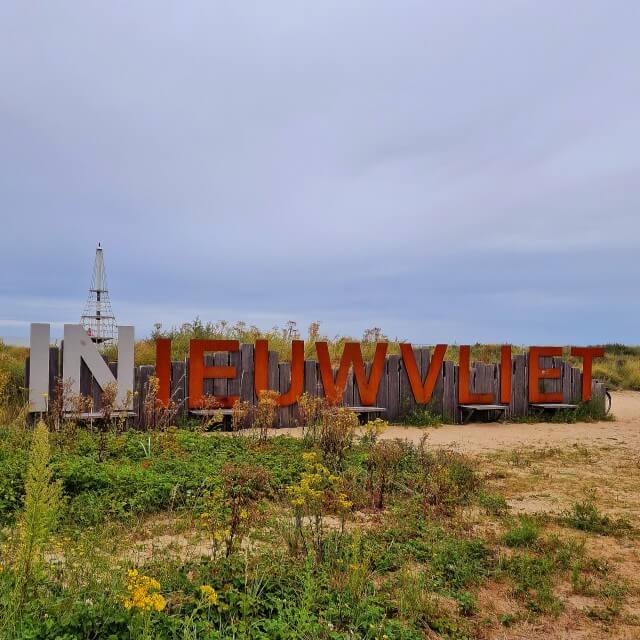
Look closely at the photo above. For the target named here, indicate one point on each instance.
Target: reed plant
(42, 509)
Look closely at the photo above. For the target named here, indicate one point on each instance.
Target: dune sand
(483, 437)
(479, 437)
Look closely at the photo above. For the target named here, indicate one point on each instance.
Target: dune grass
(181, 534)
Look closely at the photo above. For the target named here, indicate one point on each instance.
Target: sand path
(484, 437)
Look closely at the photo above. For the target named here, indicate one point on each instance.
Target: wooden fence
(394, 392)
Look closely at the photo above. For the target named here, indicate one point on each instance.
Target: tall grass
(279, 338)
(41, 511)
(620, 368)
(12, 393)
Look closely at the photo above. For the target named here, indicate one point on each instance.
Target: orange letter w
(351, 355)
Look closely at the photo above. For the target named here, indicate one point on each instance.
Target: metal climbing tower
(98, 318)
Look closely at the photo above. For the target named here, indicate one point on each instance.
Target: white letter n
(79, 346)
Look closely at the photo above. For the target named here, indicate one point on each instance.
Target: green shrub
(12, 469)
(457, 563)
(466, 603)
(524, 534)
(585, 516)
(448, 478)
(532, 576)
(421, 416)
(383, 466)
(493, 503)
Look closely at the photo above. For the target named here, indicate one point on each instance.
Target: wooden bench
(89, 416)
(204, 413)
(469, 409)
(365, 413)
(554, 406)
(211, 412)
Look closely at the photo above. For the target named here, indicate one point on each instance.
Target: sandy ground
(493, 436)
(540, 469)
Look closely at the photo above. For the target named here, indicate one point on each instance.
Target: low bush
(523, 534)
(128, 483)
(585, 516)
(383, 465)
(493, 503)
(448, 478)
(232, 509)
(421, 416)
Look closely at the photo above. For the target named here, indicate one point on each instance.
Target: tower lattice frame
(97, 317)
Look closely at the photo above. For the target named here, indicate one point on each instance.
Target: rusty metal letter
(536, 374)
(464, 391)
(163, 370)
(351, 355)
(422, 391)
(261, 375)
(505, 374)
(198, 372)
(587, 354)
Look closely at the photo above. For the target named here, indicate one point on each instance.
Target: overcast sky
(453, 171)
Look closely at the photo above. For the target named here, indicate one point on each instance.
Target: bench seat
(98, 415)
(211, 412)
(485, 407)
(470, 409)
(364, 413)
(553, 405)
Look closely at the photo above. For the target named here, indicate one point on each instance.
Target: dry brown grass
(545, 482)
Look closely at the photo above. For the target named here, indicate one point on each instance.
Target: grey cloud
(459, 172)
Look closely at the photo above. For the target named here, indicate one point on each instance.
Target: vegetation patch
(585, 516)
(178, 533)
(523, 534)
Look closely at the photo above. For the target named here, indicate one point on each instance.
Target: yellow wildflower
(220, 534)
(143, 593)
(209, 594)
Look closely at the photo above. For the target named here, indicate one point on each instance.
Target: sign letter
(198, 372)
(78, 346)
(587, 354)
(505, 374)
(536, 374)
(464, 392)
(297, 371)
(351, 355)
(39, 368)
(422, 391)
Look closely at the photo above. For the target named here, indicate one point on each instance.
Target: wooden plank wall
(394, 391)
